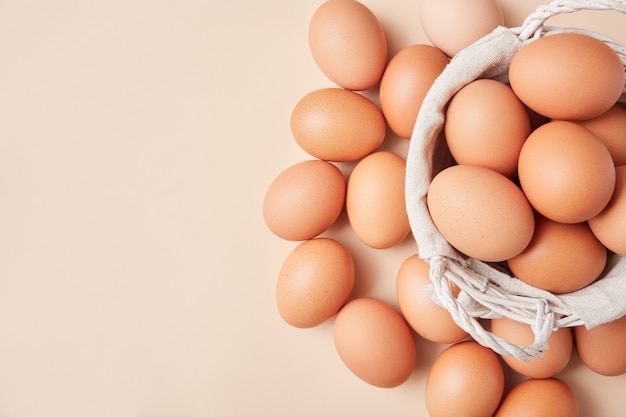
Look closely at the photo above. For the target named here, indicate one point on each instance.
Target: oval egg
(466, 379)
(405, 82)
(374, 342)
(314, 282)
(561, 257)
(480, 212)
(430, 320)
(567, 76)
(609, 226)
(452, 25)
(610, 128)
(375, 202)
(476, 132)
(566, 172)
(539, 397)
(339, 125)
(304, 200)
(554, 359)
(601, 348)
(348, 44)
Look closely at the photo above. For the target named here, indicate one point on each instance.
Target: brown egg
(554, 360)
(348, 44)
(304, 200)
(427, 318)
(603, 348)
(610, 128)
(476, 131)
(405, 82)
(539, 397)
(314, 282)
(567, 76)
(374, 342)
(452, 25)
(335, 124)
(561, 257)
(566, 172)
(466, 379)
(375, 202)
(480, 212)
(609, 226)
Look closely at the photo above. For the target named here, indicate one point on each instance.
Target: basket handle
(533, 25)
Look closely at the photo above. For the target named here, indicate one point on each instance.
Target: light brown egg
(567, 76)
(566, 172)
(609, 226)
(539, 397)
(427, 318)
(452, 25)
(476, 131)
(314, 282)
(374, 342)
(348, 44)
(335, 124)
(466, 379)
(304, 200)
(610, 128)
(561, 257)
(480, 212)
(554, 360)
(603, 348)
(405, 82)
(375, 202)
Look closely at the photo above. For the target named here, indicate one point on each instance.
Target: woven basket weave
(488, 291)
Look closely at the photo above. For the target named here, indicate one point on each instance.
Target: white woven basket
(488, 291)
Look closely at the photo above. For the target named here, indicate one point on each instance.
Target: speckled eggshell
(480, 212)
(314, 282)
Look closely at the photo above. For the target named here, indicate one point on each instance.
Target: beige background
(137, 139)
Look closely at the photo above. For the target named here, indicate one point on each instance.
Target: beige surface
(137, 139)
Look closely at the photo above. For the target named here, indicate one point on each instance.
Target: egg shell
(603, 348)
(539, 397)
(610, 128)
(477, 131)
(338, 125)
(374, 342)
(566, 172)
(304, 200)
(466, 379)
(314, 282)
(480, 212)
(567, 76)
(426, 317)
(610, 226)
(375, 202)
(452, 25)
(348, 44)
(555, 358)
(561, 257)
(405, 82)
